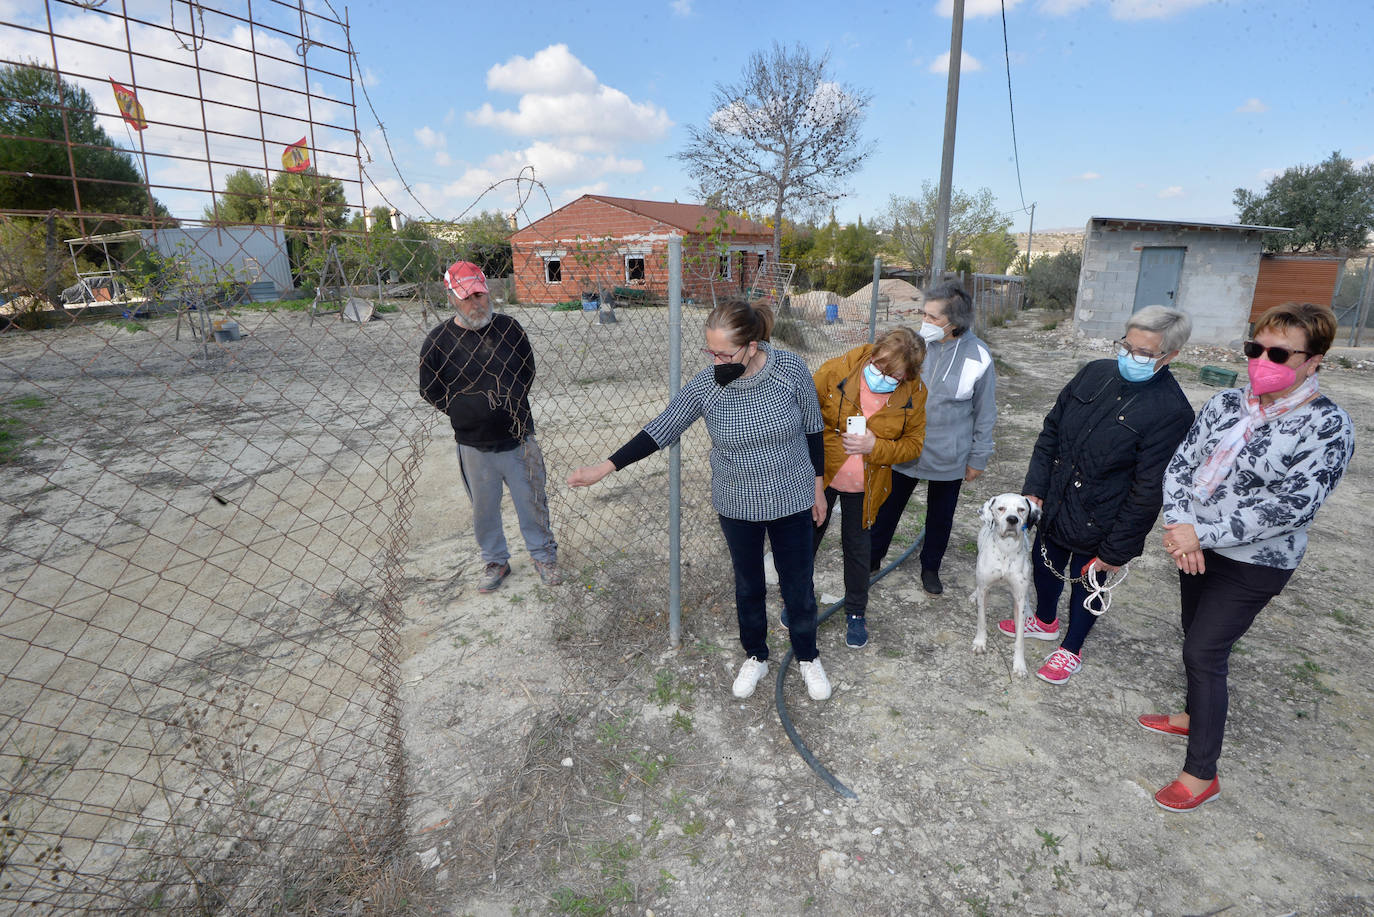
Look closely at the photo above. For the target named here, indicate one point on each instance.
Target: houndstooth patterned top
(760, 467)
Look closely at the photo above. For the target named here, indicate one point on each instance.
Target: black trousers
(942, 498)
(789, 537)
(853, 543)
(1218, 607)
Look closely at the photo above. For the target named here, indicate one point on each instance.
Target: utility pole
(956, 53)
(1030, 240)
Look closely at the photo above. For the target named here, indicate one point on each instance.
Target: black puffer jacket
(1099, 461)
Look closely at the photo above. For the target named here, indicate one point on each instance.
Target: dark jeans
(854, 545)
(791, 540)
(1048, 588)
(942, 497)
(1218, 608)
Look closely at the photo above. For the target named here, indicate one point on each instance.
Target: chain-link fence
(205, 509)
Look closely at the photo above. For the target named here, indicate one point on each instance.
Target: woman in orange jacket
(873, 405)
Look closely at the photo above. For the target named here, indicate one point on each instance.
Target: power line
(1016, 155)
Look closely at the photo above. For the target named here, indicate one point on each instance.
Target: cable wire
(1011, 107)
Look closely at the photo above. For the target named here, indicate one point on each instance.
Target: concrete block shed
(1208, 270)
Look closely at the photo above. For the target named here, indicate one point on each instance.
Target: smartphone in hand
(856, 424)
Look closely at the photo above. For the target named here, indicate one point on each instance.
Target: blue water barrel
(832, 313)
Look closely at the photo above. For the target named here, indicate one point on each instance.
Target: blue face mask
(1131, 369)
(878, 383)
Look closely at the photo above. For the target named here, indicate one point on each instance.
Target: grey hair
(1173, 327)
(958, 305)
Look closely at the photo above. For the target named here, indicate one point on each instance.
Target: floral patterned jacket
(1260, 512)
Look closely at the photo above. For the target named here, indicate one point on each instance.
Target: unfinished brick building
(599, 244)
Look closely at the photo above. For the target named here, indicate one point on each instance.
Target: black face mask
(728, 372)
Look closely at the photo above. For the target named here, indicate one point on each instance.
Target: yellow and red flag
(296, 157)
(129, 106)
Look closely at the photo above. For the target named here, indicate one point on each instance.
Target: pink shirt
(850, 478)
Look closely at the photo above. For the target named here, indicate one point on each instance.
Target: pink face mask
(1267, 377)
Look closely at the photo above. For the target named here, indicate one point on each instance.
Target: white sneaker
(817, 685)
(749, 676)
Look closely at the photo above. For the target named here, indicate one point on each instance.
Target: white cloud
(1062, 7)
(431, 139)
(1152, 9)
(967, 63)
(973, 8)
(1120, 9)
(1366, 161)
(553, 165)
(598, 118)
(1171, 191)
(1088, 176)
(1252, 106)
(553, 70)
(443, 159)
(681, 8)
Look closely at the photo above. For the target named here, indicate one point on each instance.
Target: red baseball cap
(465, 278)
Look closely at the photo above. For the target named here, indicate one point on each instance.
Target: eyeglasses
(1136, 352)
(1254, 349)
(722, 357)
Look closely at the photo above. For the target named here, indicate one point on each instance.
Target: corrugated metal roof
(1190, 224)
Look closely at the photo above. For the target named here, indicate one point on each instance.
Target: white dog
(1004, 555)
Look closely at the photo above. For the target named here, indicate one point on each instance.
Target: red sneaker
(1178, 798)
(1059, 666)
(1159, 722)
(1035, 628)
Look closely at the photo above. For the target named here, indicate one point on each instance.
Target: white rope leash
(1098, 592)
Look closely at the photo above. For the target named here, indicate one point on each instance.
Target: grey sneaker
(749, 676)
(548, 572)
(493, 575)
(817, 685)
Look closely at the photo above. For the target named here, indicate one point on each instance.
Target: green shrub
(1053, 282)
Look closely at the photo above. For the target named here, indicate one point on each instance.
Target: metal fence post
(1366, 300)
(675, 451)
(873, 303)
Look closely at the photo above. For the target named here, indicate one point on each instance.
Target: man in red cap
(478, 369)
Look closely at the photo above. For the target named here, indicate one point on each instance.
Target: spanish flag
(129, 106)
(296, 158)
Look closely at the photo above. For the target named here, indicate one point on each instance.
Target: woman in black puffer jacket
(1097, 471)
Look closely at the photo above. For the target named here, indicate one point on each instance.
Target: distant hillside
(1052, 241)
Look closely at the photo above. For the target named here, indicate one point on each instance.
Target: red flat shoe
(1178, 798)
(1159, 722)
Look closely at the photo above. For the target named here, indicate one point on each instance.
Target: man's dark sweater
(481, 380)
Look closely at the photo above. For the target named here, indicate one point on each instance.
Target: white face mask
(931, 333)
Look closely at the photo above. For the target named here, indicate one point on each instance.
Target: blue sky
(1149, 108)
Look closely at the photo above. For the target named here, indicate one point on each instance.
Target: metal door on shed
(1157, 282)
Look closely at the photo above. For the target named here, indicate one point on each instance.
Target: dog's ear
(985, 513)
(1032, 514)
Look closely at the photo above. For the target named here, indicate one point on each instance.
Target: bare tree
(783, 138)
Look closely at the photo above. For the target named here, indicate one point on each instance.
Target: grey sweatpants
(522, 471)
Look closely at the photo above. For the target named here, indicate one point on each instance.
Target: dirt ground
(568, 762)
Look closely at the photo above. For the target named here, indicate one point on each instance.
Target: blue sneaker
(856, 635)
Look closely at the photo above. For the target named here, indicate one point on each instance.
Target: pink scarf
(1216, 465)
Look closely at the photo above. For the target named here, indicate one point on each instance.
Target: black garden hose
(806, 753)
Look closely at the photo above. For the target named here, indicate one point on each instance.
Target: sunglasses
(1254, 350)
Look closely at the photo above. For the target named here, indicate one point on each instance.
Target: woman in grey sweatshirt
(960, 412)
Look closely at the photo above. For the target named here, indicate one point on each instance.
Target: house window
(724, 270)
(553, 270)
(634, 267)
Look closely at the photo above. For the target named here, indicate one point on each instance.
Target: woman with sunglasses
(767, 457)
(1239, 496)
(1095, 473)
(873, 403)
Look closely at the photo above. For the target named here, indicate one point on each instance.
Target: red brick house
(598, 243)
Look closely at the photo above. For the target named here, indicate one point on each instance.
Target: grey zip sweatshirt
(961, 409)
